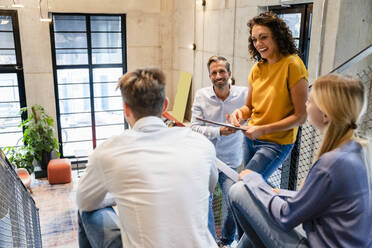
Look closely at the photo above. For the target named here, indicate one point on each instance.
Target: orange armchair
(25, 178)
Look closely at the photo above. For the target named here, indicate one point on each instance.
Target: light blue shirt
(208, 106)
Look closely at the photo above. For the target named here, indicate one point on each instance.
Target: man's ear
(229, 74)
(127, 110)
(166, 102)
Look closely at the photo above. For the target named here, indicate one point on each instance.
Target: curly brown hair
(280, 31)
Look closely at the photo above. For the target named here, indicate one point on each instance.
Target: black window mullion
(302, 33)
(308, 12)
(124, 53)
(56, 92)
(91, 89)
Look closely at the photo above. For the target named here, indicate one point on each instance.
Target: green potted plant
(21, 157)
(38, 137)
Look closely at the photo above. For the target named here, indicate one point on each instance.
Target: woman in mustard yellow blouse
(276, 98)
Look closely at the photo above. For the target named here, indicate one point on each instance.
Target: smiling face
(219, 74)
(265, 44)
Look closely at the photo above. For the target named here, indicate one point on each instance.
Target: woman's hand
(236, 118)
(253, 132)
(244, 173)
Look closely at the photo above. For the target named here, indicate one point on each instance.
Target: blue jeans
(228, 221)
(259, 228)
(264, 157)
(211, 227)
(99, 228)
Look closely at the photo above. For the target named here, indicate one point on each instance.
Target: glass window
(89, 62)
(298, 19)
(106, 23)
(65, 23)
(294, 23)
(71, 40)
(12, 94)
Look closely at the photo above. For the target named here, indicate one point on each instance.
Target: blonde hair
(341, 99)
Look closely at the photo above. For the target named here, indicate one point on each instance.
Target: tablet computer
(220, 124)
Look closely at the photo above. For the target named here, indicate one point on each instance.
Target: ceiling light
(46, 19)
(42, 18)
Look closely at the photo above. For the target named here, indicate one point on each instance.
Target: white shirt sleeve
(91, 190)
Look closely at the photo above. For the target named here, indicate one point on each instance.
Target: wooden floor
(57, 211)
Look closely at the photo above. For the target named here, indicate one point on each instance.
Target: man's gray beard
(221, 87)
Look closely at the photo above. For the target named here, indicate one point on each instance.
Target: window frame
(90, 66)
(306, 11)
(15, 68)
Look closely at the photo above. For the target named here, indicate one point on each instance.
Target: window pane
(106, 40)
(106, 56)
(9, 94)
(73, 91)
(104, 118)
(107, 74)
(69, 23)
(109, 78)
(72, 76)
(76, 120)
(77, 134)
(70, 148)
(294, 23)
(71, 40)
(6, 23)
(9, 109)
(297, 42)
(10, 124)
(108, 103)
(72, 57)
(8, 57)
(6, 40)
(73, 106)
(106, 89)
(8, 79)
(108, 131)
(10, 139)
(105, 23)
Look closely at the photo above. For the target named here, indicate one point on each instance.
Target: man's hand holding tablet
(221, 124)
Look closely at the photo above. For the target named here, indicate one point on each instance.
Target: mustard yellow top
(271, 98)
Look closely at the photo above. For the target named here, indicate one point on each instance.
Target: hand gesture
(236, 118)
(253, 132)
(227, 130)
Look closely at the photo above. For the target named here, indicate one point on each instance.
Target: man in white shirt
(214, 103)
(160, 177)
